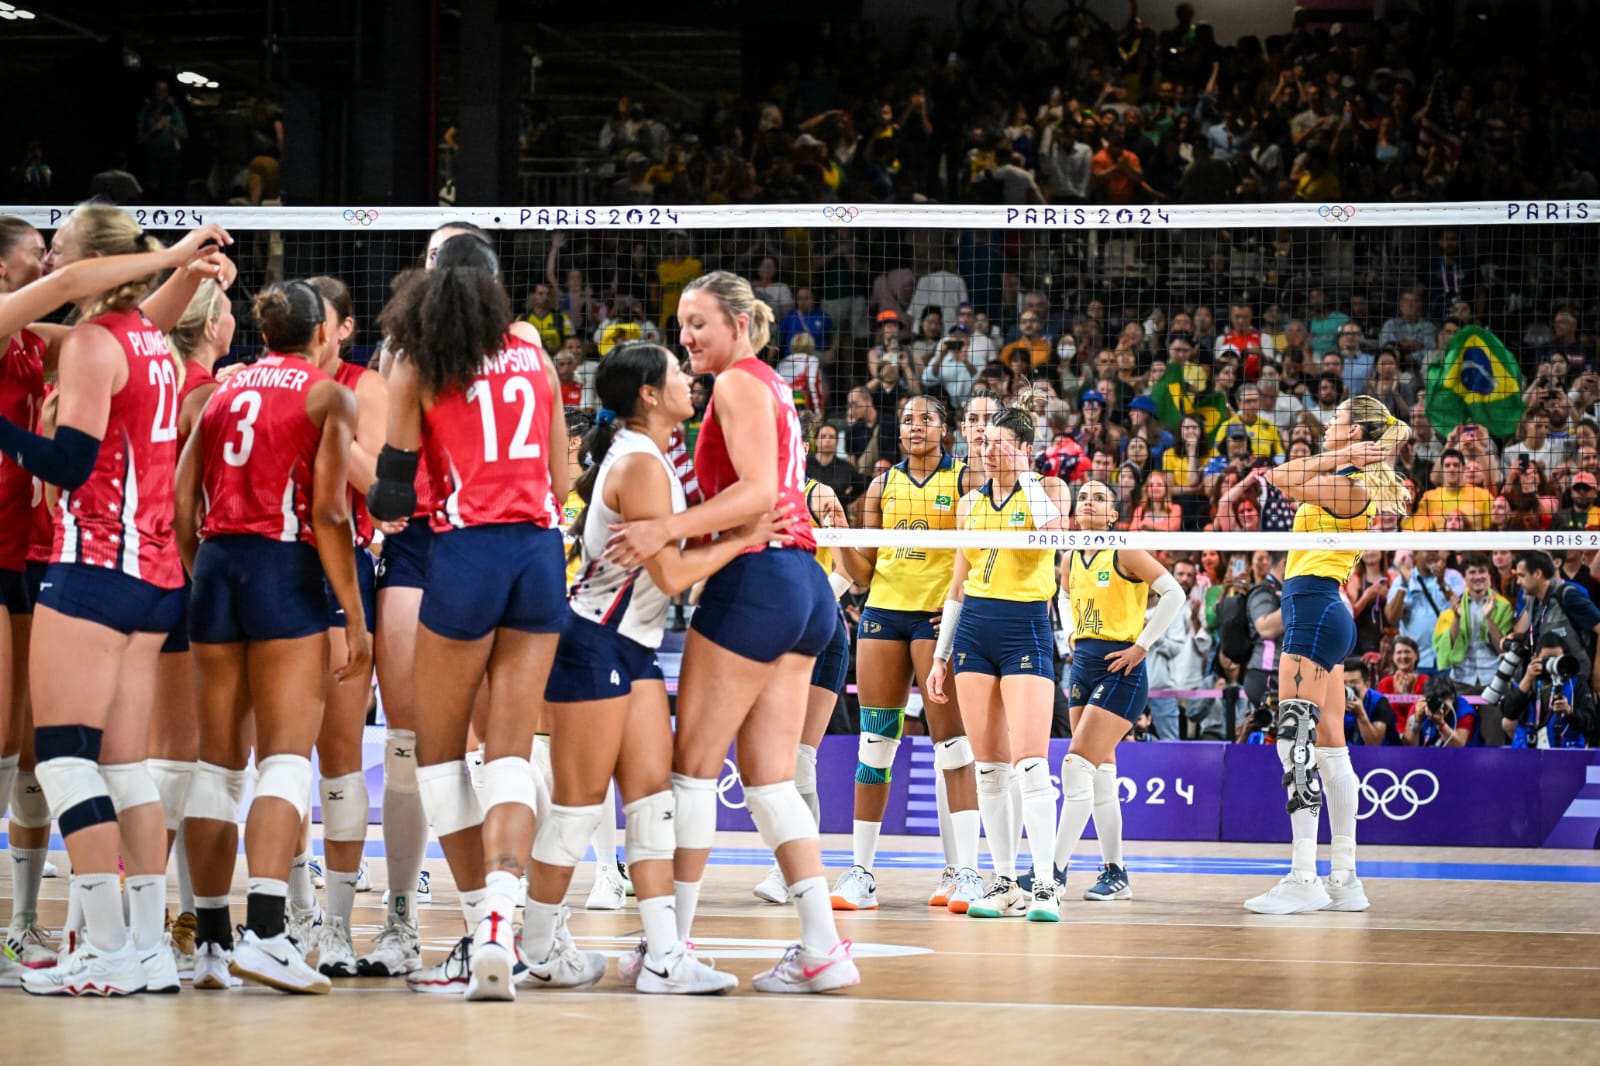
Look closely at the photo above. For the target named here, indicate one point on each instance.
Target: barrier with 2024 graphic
(1201, 790)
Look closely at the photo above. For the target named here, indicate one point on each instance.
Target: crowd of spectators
(1418, 105)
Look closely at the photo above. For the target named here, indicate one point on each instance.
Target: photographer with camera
(1443, 719)
(1368, 718)
(1552, 605)
(1553, 706)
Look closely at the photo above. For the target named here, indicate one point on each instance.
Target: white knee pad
(400, 760)
(286, 777)
(805, 770)
(1033, 777)
(69, 781)
(994, 779)
(27, 803)
(215, 793)
(1077, 779)
(344, 808)
(564, 833)
(1105, 784)
(953, 754)
(780, 814)
(130, 785)
(649, 834)
(29, 808)
(172, 779)
(541, 761)
(448, 798)
(875, 751)
(507, 780)
(695, 803)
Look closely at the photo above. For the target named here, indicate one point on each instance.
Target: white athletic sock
(966, 827)
(475, 761)
(947, 826)
(815, 907)
(472, 907)
(686, 897)
(101, 900)
(659, 914)
(8, 778)
(302, 896)
(1077, 804)
(1340, 786)
(539, 929)
(74, 922)
(999, 824)
(1108, 814)
(866, 843)
(341, 890)
(500, 893)
(27, 871)
(605, 832)
(147, 908)
(186, 902)
(1039, 814)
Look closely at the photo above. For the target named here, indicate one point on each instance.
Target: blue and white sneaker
(1113, 884)
(318, 879)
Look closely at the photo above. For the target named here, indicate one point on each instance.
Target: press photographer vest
(1552, 616)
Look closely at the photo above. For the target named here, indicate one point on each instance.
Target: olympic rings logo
(1396, 789)
(842, 213)
(1336, 212)
(360, 216)
(727, 783)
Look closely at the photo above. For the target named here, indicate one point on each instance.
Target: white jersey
(621, 598)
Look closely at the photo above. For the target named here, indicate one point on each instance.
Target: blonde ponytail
(1387, 493)
(101, 229)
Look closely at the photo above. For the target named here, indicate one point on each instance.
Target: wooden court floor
(1449, 965)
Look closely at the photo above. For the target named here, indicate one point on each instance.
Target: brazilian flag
(1185, 389)
(1478, 381)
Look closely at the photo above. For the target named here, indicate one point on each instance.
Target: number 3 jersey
(121, 518)
(259, 450)
(488, 448)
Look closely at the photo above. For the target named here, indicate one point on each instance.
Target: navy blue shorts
(1090, 682)
(485, 578)
(251, 588)
(1317, 622)
(881, 623)
(14, 592)
(177, 642)
(109, 598)
(1004, 637)
(834, 662)
(768, 603)
(596, 662)
(366, 581)
(404, 563)
(33, 574)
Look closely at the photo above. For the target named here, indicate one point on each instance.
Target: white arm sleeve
(947, 629)
(839, 584)
(1167, 608)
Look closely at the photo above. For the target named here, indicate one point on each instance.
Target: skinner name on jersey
(267, 375)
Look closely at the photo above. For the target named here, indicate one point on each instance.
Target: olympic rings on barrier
(1337, 212)
(1395, 789)
(841, 213)
(727, 783)
(360, 216)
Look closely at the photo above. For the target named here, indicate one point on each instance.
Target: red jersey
(21, 397)
(489, 448)
(572, 394)
(122, 516)
(42, 524)
(259, 450)
(1249, 341)
(360, 521)
(195, 376)
(714, 468)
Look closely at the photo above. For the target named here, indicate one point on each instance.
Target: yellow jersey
(824, 554)
(1327, 562)
(917, 579)
(1106, 604)
(1439, 504)
(673, 275)
(569, 514)
(1022, 575)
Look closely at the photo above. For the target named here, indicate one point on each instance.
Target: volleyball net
(1117, 322)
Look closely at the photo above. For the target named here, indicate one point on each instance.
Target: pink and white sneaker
(804, 970)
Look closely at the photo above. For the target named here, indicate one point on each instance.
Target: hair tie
(605, 416)
(1391, 421)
